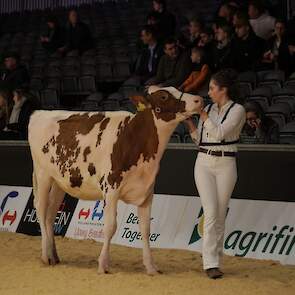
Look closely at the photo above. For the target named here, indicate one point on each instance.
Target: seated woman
(200, 74)
(16, 127)
(258, 128)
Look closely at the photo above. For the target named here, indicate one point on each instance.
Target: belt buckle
(209, 152)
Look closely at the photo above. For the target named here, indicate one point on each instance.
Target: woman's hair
(8, 103)
(227, 78)
(254, 107)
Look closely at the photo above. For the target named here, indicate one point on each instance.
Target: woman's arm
(193, 130)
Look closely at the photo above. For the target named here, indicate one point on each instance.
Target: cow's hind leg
(56, 197)
(110, 226)
(144, 214)
(41, 191)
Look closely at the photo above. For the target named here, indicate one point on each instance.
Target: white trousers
(215, 179)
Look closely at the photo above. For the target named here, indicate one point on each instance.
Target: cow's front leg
(110, 226)
(144, 214)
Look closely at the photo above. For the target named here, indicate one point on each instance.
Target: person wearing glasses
(259, 129)
(217, 135)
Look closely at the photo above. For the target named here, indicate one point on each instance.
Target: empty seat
(287, 134)
(69, 84)
(104, 72)
(122, 70)
(275, 86)
(280, 108)
(87, 84)
(272, 75)
(111, 105)
(261, 100)
(70, 71)
(244, 89)
(90, 105)
(97, 96)
(36, 84)
(278, 118)
(248, 77)
(49, 98)
(53, 83)
(88, 70)
(116, 96)
(285, 99)
(262, 91)
(175, 138)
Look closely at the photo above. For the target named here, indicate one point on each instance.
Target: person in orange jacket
(200, 74)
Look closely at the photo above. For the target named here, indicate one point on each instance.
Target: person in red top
(200, 74)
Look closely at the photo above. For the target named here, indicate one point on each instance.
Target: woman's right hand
(190, 125)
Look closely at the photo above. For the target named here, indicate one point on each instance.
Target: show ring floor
(22, 273)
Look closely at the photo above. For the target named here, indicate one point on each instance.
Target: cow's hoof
(103, 271)
(50, 261)
(154, 272)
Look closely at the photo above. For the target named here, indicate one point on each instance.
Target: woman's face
(16, 97)
(279, 29)
(221, 35)
(216, 93)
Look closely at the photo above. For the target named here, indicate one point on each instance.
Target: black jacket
(78, 37)
(167, 25)
(56, 38)
(17, 78)
(173, 72)
(21, 127)
(247, 53)
(142, 67)
(221, 57)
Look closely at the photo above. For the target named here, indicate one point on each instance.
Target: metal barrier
(266, 172)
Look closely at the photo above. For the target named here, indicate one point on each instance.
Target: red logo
(84, 213)
(9, 217)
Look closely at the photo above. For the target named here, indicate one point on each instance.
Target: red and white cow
(112, 156)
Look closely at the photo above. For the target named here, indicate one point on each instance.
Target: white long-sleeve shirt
(228, 131)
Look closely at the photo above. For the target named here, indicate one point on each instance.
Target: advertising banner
(13, 201)
(29, 223)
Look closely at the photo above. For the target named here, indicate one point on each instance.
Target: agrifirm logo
(279, 241)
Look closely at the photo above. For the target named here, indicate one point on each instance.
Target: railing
(9, 6)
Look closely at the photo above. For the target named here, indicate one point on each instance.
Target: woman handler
(217, 136)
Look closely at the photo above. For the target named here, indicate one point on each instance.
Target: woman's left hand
(203, 116)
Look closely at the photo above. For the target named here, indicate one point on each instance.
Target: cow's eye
(164, 97)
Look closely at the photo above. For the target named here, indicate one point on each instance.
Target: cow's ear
(140, 102)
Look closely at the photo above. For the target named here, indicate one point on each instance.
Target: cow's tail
(35, 188)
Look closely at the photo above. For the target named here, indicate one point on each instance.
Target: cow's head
(169, 103)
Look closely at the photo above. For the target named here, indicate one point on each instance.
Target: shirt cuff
(209, 125)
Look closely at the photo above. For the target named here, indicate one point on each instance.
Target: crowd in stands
(243, 35)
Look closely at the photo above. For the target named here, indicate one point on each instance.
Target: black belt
(218, 153)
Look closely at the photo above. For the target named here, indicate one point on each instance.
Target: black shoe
(214, 273)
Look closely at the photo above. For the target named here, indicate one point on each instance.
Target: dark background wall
(264, 174)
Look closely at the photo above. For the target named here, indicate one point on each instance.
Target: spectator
(78, 36)
(200, 74)
(5, 107)
(262, 23)
(239, 14)
(53, 37)
(207, 44)
(147, 64)
(222, 51)
(259, 128)
(153, 19)
(174, 67)
(227, 11)
(17, 125)
(277, 55)
(14, 74)
(167, 21)
(195, 30)
(247, 49)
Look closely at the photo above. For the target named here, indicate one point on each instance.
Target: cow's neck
(165, 130)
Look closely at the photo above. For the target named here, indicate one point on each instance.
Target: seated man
(247, 49)
(53, 38)
(14, 75)
(174, 67)
(78, 36)
(148, 61)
